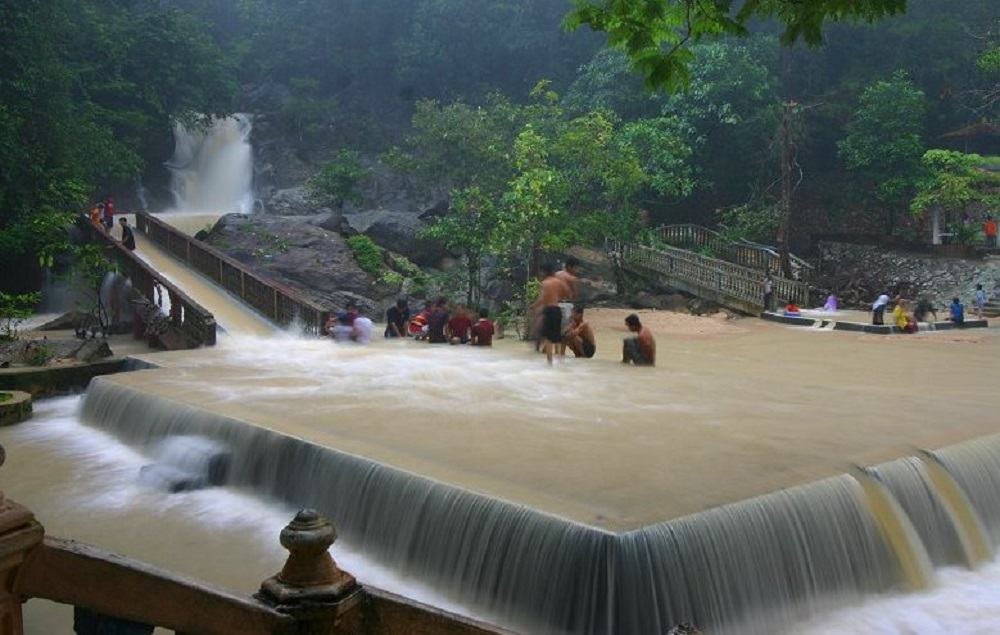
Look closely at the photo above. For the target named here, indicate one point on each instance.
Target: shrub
(369, 256)
(14, 309)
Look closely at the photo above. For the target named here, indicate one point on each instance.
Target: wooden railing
(748, 254)
(196, 321)
(278, 303)
(732, 285)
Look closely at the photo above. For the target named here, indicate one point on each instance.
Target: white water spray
(212, 167)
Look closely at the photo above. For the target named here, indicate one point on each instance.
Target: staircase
(742, 252)
(731, 285)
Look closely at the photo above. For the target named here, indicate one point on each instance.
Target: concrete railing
(729, 284)
(755, 256)
(278, 303)
(196, 321)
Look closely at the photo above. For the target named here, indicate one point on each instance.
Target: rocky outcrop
(399, 232)
(295, 252)
(859, 273)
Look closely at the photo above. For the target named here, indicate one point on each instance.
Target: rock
(15, 407)
(398, 232)
(92, 350)
(334, 221)
(299, 254)
(293, 201)
(647, 300)
(700, 306)
(677, 302)
(70, 320)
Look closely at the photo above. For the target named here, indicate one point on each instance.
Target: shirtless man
(641, 349)
(570, 274)
(580, 336)
(552, 292)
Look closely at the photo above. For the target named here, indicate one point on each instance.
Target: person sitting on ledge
(831, 304)
(792, 310)
(903, 320)
(924, 309)
(641, 349)
(957, 312)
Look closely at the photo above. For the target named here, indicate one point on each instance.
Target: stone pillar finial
(310, 586)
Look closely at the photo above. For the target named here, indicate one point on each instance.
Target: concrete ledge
(786, 319)
(859, 327)
(47, 381)
(16, 408)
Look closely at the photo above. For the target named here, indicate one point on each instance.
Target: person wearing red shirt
(482, 331)
(458, 326)
(990, 229)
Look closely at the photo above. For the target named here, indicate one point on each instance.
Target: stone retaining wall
(860, 273)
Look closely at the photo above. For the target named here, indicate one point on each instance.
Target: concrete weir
(571, 521)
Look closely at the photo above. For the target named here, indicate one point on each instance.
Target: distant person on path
(990, 229)
(459, 325)
(552, 292)
(768, 293)
(437, 322)
(903, 320)
(109, 213)
(579, 336)
(878, 309)
(397, 318)
(482, 331)
(831, 304)
(96, 214)
(641, 349)
(957, 312)
(924, 308)
(980, 301)
(128, 238)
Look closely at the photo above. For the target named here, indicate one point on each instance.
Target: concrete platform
(750, 409)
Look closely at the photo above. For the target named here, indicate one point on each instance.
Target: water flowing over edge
(753, 566)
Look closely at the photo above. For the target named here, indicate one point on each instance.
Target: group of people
(102, 214)
(557, 322)
(907, 320)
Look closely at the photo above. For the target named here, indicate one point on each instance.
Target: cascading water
(212, 167)
(751, 567)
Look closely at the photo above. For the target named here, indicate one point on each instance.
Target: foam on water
(105, 482)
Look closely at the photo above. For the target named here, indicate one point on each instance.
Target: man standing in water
(552, 292)
(641, 349)
(570, 275)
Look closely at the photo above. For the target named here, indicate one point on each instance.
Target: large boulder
(398, 232)
(299, 254)
(293, 201)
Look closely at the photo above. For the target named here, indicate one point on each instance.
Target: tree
(337, 181)
(884, 141)
(954, 181)
(468, 229)
(657, 34)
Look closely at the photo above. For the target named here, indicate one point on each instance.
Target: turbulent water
(212, 168)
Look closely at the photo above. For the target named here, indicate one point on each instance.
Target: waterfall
(755, 566)
(212, 167)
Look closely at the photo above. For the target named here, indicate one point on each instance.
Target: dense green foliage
(657, 34)
(442, 91)
(14, 309)
(87, 92)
